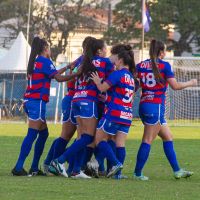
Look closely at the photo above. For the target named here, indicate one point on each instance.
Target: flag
(146, 17)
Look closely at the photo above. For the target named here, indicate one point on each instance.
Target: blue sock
(107, 152)
(59, 148)
(113, 146)
(49, 157)
(78, 160)
(100, 158)
(121, 155)
(87, 156)
(70, 165)
(142, 156)
(76, 147)
(171, 155)
(26, 148)
(39, 147)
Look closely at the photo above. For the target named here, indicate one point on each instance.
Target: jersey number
(129, 95)
(148, 79)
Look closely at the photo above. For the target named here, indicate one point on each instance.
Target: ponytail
(155, 48)
(126, 53)
(37, 47)
(91, 48)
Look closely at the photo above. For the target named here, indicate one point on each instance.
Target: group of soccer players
(98, 106)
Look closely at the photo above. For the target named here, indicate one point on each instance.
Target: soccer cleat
(141, 177)
(114, 170)
(182, 174)
(22, 172)
(46, 170)
(36, 173)
(92, 168)
(57, 168)
(80, 175)
(119, 177)
(102, 173)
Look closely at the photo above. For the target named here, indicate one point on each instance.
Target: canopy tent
(16, 59)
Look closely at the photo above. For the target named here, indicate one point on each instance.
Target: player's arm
(103, 87)
(62, 78)
(70, 66)
(175, 85)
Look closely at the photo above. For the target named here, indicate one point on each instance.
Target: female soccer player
(68, 121)
(117, 117)
(40, 71)
(85, 105)
(155, 75)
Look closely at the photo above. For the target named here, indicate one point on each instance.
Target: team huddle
(98, 107)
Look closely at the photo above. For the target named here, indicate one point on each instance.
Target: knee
(44, 133)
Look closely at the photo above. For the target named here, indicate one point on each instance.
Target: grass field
(162, 185)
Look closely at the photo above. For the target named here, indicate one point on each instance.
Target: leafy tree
(184, 15)
(54, 22)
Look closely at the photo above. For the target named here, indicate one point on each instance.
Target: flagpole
(143, 6)
(28, 29)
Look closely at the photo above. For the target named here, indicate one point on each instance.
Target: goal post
(183, 106)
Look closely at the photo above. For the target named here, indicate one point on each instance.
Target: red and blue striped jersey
(71, 84)
(152, 90)
(39, 81)
(120, 97)
(86, 88)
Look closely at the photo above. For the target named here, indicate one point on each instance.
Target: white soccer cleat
(60, 168)
(80, 175)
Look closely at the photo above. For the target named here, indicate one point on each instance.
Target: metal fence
(182, 107)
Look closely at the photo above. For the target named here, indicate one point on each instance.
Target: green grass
(162, 185)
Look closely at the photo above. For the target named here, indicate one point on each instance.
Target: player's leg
(106, 128)
(120, 149)
(150, 133)
(149, 114)
(38, 150)
(33, 110)
(85, 113)
(87, 128)
(170, 153)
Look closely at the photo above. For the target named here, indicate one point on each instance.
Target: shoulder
(165, 66)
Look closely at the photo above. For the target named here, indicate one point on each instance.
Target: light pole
(28, 22)
(27, 30)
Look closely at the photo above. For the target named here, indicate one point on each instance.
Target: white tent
(16, 59)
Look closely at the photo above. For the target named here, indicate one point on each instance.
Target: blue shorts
(35, 109)
(85, 109)
(112, 128)
(67, 114)
(152, 114)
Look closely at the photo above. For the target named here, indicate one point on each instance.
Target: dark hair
(154, 52)
(118, 48)
(91, 49)
(37, 48)
(125, 52)
(86, 40)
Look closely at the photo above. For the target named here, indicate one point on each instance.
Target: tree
(54, 22)
(183, 15)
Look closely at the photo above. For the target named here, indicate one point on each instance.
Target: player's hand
(193, 82)
(95, 78)
(79, 71)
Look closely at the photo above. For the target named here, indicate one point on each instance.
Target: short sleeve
(168, 71)
(113, 78)
(109, 68)
(49, 69)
